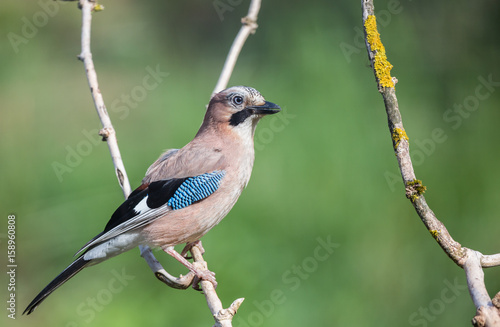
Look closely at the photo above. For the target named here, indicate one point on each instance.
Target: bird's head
(239, 108)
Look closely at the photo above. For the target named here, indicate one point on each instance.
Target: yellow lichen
(98, 7)
(381, 65)
(434, 233)
(398, 134)
(417, 185)
(414, 188)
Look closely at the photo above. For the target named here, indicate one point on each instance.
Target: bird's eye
(237, 100)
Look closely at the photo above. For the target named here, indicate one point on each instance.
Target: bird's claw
(198, 267)
(206, 275)
(189, 246)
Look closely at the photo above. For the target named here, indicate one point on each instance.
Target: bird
(185, 192)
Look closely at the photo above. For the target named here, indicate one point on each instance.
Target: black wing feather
(161, 191)
(158, 194)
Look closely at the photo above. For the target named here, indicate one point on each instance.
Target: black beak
(267, 108)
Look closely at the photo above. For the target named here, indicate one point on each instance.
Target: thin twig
(109, 135)
(491, 260)
(107, 132)
(249, 26)
(223, 317)
(472, 261)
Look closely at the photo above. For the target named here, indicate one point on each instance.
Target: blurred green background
(325, 170)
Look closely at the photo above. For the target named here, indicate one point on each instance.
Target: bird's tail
(69, 272)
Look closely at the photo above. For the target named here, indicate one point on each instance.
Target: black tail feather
(69, 272)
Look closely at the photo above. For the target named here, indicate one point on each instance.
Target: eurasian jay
(186, 191)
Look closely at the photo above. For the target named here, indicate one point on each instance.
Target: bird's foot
(202, 273)
(189, 246)
(199, 268)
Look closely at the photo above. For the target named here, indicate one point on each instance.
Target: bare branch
(487, 314)
(475, 281)
(109, 135)
(472, 261)
(108, 132)
(223, 317)
(490, 260)
(181, 282)
(249, 27)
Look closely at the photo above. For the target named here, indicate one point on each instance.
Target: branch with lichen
(488, 311)
(223, 317)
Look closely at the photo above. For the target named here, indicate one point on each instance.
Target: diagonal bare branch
(107, 132)
(223, 317)
(249, 26)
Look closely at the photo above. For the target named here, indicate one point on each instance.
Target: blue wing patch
(195, 189)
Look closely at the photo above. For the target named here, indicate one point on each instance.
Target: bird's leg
(201, 271)
(189, 246)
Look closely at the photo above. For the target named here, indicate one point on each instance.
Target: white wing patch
(142, 206)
